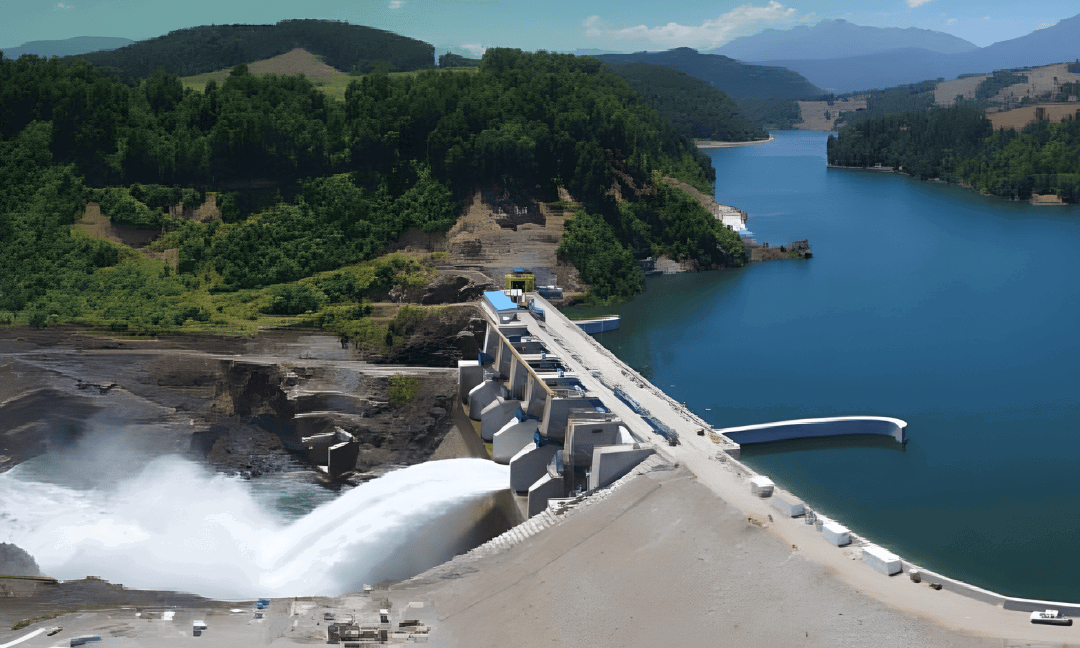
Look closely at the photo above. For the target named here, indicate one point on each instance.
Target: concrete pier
(817, 427)
(537, 408)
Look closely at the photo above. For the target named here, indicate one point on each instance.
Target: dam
(570, 419)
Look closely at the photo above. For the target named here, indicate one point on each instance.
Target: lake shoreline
(962, 185)
(714, 144)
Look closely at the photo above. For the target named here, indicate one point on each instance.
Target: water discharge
(175, 525)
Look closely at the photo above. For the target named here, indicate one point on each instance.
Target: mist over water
(169, 523)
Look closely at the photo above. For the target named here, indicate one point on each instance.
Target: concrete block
(789, 505)
(497, 414)
(835, 533)
(513, 436)
(585, 434)
(761, 486)
(482, 395)
(341, 457)
(470, 374)
(611, 463)
(882, 560)
(541, 491)
(530, 464)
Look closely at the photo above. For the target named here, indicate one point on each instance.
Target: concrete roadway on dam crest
(692, 557)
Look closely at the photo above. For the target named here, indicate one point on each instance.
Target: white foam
(177, 526)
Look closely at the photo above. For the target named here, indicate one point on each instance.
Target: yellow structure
(519, 279)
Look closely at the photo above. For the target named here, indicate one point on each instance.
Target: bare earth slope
(496, 233)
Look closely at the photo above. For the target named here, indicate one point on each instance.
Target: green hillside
(735, 78)
(958, 144)
(311, 190)
(187, 52)
(697, 109)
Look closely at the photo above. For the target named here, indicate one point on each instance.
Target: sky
(554, 25)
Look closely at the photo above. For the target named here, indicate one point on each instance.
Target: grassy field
(329, 80)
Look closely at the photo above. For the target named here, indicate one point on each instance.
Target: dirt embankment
(825, 115)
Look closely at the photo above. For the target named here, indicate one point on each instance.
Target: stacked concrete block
(483, 395)
(498, 413)
(611, 463)
(836, 534)
(789, 505)
(542, 490)
(470, 374)
(529, 465)
(512, 438)
(882, 560)
(761, 486)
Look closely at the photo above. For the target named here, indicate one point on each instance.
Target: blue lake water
(953, 311)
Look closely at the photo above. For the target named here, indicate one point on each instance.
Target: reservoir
(930, 303)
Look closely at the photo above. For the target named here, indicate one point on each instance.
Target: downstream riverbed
(925, 302)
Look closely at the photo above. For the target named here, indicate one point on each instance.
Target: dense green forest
(451, 60)
(312, 190)
(773, 114)
(697, 109)
(958, 144)
(733, 77)
(186, 52)
(902, 98)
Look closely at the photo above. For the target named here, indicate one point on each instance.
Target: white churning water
(177, 526)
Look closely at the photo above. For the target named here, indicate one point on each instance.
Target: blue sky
(560, 25)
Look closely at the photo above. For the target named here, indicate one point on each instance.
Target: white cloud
(986, 17)
(476, 49)
(396, 4)
(916, 3)
(739, 21)
(61, 6)
(950, 21)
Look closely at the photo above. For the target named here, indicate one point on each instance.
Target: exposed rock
(435, 342)
(14, 561)
(795, 250)
(245, 408)
(456, 287)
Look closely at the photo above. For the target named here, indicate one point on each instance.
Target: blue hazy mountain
(68, 46)
(911, 64)
(733, 77)
(838, 39)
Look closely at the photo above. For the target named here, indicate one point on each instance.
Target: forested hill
(735, 78)
(187, 52)
(697, 109)
(958, 144)
(344, 179)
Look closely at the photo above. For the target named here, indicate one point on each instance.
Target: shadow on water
(821, 444)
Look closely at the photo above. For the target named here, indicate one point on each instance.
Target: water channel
(930, 303)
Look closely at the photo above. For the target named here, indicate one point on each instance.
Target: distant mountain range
(893, 62)
(735, 78)
(68, 46)
(831, 39)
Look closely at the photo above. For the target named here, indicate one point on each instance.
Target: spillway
(175, 525)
